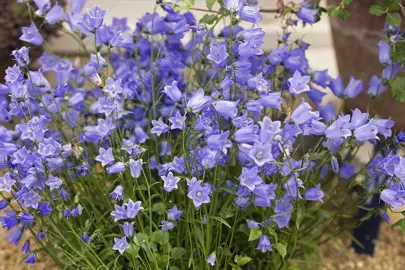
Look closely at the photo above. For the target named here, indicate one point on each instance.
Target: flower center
(259, 155)
(198, 194)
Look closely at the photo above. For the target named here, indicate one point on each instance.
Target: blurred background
(321, 55)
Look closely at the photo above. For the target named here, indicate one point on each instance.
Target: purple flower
(219, 141)
(298, 83)
(226, 109)
(76, 6)
(199, 101)
(173, 92)
(128, 229)
(259, 83)
(3, 204)
(271, 100)
(121, 244)
(393, 198)
(55, 14)
(174, 214)
(278, 55)
(177, 121)
(32, 35)
(234, 5)
(21, 56)
(170, 182)
(358, 119)
(118, 213)
(339, 128)
(314, 194)
(117, 193)
(15, 236)
(383, 125)
(321, 77)
(264, 244)
(212, 258)
(31, 259)
(249, 178)
(308, 15)
(133, 208)
(247, 134)
(335, 164)
(113, 88)
(26, 247)
(198, 192)
(366, 132)
(253, 224)
(135, 167)
(42, 5)
(159, 127)
(376, 86)
(384, 52)
(302, 114)
(347, 171)
(53, 182)
(282, 220)
(400, 138)
(261, 153)
(116, 168)
(6, 182)
(166, 225)
(106, 157)
(328, 112)
(354, 88)
(85, 237)
(218, 54)
(94, 18)
(31, 199)
(250, 14)
(283, 205)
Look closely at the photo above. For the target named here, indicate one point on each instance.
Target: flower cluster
(171, 143)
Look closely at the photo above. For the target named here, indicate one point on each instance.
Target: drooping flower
(117, 193)
(128, 229)
(173, 92)
(308, 15)
(226, 109)
(264, 244)
(314, 194)
(212, 258)
(199, 101)
(159, 127)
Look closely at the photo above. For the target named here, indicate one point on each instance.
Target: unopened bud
(95, 78)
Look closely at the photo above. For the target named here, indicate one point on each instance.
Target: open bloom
(32, 35)
(170, 182)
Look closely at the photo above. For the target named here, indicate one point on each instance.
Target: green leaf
(376, 10)
(242, 260)
(300, 214)
(347, 2)
(140, 238)
(177, 252)
(398, 88)
(223, 221)
(210, 3)
(344, 14)
(160, 237)
(189, 3)
(394, 19)
(159, 208)
(333, 10)
(400, 224)
(254, 234)
(398, 51)
(280, 248)
(208, 19)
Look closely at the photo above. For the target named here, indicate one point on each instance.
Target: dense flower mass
(169, 143)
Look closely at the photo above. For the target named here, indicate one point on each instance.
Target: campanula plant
(174, 146)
